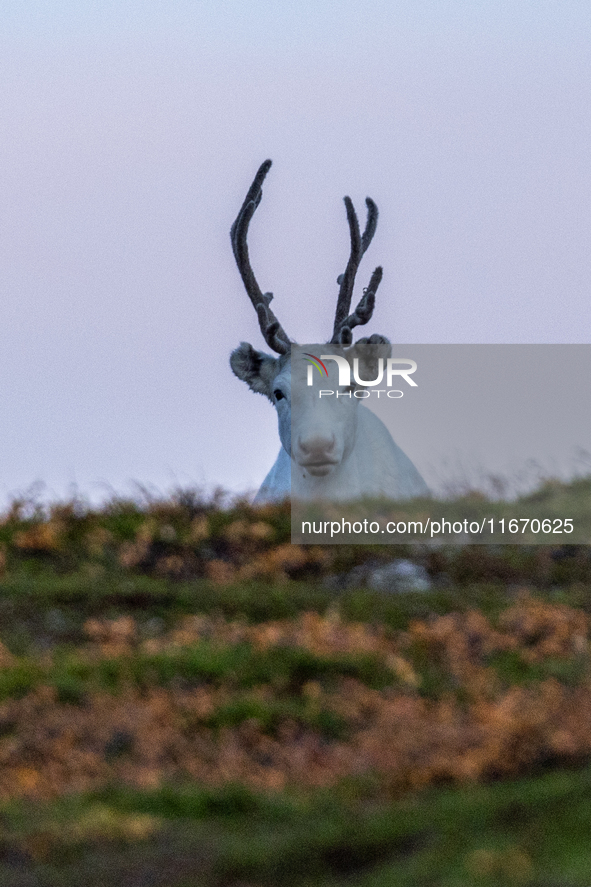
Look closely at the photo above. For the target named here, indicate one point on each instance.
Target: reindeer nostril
(318, 447)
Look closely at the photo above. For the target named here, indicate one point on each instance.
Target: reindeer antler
(274, 334)
(344, 322)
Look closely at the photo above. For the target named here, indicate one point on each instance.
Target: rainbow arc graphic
(316, 362)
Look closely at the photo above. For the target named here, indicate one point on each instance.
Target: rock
(399, 576)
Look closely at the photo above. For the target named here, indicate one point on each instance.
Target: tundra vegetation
(186, 698)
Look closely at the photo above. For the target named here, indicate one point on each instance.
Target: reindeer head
(270, 375)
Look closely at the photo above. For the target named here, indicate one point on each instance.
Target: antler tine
(364, 310)
(359, 244)
(371, 224)
(273, 333)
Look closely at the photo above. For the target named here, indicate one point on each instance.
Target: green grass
(531, 831)
(239, 668)
(42, 609)
(513, 669)
(269, 714)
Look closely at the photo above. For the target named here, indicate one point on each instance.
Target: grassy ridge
(187, 699)
(188, 537)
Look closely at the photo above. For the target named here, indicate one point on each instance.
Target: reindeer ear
(255, 368)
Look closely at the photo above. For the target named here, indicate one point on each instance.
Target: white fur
(333, 448)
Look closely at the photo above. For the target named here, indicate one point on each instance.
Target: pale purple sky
(129, 134)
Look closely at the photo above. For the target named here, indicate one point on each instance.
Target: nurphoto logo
(391, 367)
(314, 362)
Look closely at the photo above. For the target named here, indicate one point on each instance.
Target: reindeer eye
(279, 395)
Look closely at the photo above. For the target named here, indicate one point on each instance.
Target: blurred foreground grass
(531, 831)
(188, 699)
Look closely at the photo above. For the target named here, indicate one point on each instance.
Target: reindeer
(337, 451)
